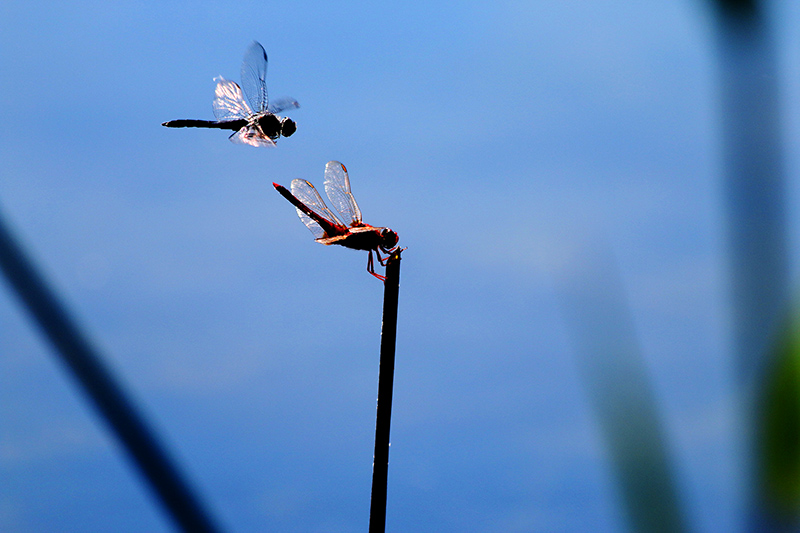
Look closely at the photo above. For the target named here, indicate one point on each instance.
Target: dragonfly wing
(254, 77)
(280, 104)
(337, 187)
(251, 135)
(315, 228)
(308, 195)
(229, 103)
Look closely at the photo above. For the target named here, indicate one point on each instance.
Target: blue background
(497, 138)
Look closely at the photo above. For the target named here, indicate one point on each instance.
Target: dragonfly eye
(388, 238)
(288, 127)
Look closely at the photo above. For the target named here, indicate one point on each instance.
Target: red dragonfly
(327, 227)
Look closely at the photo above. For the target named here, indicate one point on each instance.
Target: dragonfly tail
(327, 227)
(193, 123)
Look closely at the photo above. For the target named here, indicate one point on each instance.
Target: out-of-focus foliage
(738, 8)
(778, 427)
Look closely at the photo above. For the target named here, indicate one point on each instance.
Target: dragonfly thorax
(274, 126)
(269, 123)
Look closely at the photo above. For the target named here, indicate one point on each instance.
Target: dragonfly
(328, 228)
(254, 120)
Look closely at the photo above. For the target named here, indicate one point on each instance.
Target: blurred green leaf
(778, 429)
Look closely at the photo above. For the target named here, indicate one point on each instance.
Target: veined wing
(229, 103)
(308, 195)
(254, 76)
(251, 135)
(337, 187)
(280, 104)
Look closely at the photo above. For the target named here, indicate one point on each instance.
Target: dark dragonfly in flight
(254, 120)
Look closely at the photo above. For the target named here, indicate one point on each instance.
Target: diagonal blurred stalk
(620, 391)
(754, 196)
(754, 184)
(115, 407)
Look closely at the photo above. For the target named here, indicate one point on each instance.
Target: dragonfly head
(288, 126)
(388, 239)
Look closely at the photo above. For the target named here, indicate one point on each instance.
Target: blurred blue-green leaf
(778, 439)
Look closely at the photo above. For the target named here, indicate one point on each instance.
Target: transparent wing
(251, 135)
(308, 195)
(254, 75)
(337, 187)
(276, 106)
(228, 101)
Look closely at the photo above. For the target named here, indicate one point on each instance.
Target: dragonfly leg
(371, 266)
(381, 260)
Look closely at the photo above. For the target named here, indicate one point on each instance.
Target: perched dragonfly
(329, 228)
(254, 120)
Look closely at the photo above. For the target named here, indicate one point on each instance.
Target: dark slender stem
(380, 464)
(98, 382)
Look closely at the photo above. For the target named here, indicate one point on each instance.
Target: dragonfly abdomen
(327, 226)
(234, 125)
